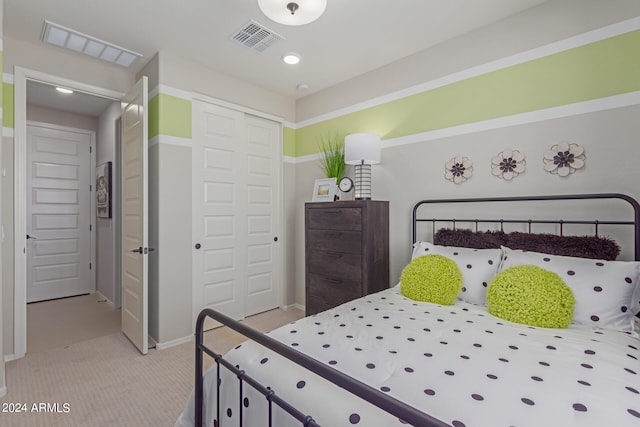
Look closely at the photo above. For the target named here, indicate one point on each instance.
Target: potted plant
(332, 160)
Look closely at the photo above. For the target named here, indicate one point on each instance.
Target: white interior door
(58, 212)
(134, 215)
(236, 211)
(219, 194)
(263, 273)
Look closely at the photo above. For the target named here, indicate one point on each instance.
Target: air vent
(60, 36)
(256, 36)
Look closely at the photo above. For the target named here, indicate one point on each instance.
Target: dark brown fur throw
(576, 246)
(470, 239)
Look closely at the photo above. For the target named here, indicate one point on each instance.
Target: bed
(386, 359)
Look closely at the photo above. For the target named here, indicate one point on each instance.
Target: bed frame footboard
(393, 406)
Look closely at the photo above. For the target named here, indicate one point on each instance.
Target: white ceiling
(351, 38)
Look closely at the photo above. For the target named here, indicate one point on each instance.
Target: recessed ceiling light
(291, 58)
(302, 87)
(64, 90)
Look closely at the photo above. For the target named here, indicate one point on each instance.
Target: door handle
(142, 250)
(31, 237)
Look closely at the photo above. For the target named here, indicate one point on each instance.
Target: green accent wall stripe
(605, 68)
(7, 105)
(173, 116)
(153, 117)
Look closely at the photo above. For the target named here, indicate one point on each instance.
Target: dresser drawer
(335, 241)
(347, 251)
(316, 305)
(332, 292)
(335, 219)
(336, 265)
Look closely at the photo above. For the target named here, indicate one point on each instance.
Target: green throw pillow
(532, 296)
(431, 278)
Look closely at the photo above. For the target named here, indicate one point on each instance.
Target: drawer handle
(336, 281)
(333, 233)
(333, 255)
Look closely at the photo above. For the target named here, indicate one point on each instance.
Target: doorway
(23, 78)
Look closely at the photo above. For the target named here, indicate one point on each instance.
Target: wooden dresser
(347, 251)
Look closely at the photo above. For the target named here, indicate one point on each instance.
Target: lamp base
(363, 182)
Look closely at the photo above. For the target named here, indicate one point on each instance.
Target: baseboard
(101, 297)
(9, 358)
(173, 343)
(290, 306)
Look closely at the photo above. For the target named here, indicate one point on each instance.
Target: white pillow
(635, 303)
(478, 266)
(603, 289)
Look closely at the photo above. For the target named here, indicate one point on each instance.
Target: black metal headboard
(635, 222)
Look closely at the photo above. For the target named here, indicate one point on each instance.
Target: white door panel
(134, 212)
(58, 212)
(264, 277)
(218, 162)
(236, 195)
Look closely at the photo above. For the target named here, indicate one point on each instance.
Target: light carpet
(106, 382)
(56, 323)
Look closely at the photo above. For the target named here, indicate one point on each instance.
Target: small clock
(346, 184)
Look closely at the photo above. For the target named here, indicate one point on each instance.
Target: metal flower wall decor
(458, 169)
(563, 158)
(508, 164)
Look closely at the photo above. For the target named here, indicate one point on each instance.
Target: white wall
(7, 247)
(107, 281)
(3, 388)
(58, 62)
(414, 172)
(170, 189)
(539, 26)
(410, 173)
(187, 75)
(61, 118)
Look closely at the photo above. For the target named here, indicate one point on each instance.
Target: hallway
(58, 323)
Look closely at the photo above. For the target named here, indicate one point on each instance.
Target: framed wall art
(103, 190)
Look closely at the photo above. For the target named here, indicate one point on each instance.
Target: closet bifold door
(236, 161)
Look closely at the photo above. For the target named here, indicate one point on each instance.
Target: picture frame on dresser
(324, 190)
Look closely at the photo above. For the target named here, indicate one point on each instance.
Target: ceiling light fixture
(60, 36)
(291, 58)
(289, 12)
(64, 90)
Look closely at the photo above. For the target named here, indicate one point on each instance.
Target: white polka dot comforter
(457, 363)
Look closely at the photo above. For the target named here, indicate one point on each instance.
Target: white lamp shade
(362, 148)
(307, 11)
